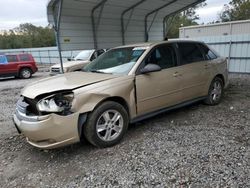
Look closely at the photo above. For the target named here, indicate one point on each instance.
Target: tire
(106, 125)
(25, 73)
(215, 92)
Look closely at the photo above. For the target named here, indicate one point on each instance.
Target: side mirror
(150, 68)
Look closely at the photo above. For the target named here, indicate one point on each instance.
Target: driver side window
(164, 56)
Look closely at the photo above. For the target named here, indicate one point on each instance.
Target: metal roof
(88, 24)
(216, 24)
(221, 29)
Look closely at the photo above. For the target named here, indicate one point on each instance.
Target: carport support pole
(122, 18)
(166, 27)
(150, 13)
(93, 22)
(57, 29)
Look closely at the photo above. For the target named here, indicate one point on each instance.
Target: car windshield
(84, 55)
(116, 61)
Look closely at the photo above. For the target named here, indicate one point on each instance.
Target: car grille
(55, 70)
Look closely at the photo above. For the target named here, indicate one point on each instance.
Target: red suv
(21, 65)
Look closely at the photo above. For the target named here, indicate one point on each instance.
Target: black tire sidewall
(90, 131)
(209, 100)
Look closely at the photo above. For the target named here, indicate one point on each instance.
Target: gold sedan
(124, 85)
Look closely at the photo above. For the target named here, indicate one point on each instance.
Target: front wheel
(215, 92)
(106, 125)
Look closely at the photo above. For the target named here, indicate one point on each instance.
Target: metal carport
(89, 24)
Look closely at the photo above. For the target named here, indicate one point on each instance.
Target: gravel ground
(195, 146)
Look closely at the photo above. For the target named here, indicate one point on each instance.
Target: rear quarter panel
(219, 67)
(27, 64)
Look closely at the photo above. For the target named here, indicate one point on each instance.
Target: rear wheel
(25, 73)
(215, 92)
(107, 124)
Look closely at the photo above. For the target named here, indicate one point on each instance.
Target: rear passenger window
(12, 58)
(190, 53)
(24, 57)
(164, 56)
(209, 54)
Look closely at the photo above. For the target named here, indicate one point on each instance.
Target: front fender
(87, 102)
(87, 98)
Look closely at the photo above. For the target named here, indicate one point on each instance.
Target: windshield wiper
(98, 71)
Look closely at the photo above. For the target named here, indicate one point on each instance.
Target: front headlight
(56, 103)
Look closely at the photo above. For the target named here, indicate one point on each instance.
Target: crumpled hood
(68, 81)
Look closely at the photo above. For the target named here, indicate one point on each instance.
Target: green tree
(27, 36)
(236, 10)
(188, 17)
(178, 21)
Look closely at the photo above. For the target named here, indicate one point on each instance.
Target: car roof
(17, 54)
(135, 45)
(149, 44)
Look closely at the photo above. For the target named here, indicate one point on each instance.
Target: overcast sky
(15, 12)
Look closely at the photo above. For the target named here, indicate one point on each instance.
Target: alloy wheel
(109, 125)
(26, 73)
(216, 91)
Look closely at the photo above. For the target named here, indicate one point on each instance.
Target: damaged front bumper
(49, 131)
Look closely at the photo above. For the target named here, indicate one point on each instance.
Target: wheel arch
(116, 99)
(221, 77)
(24, 67)
(84, 116)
